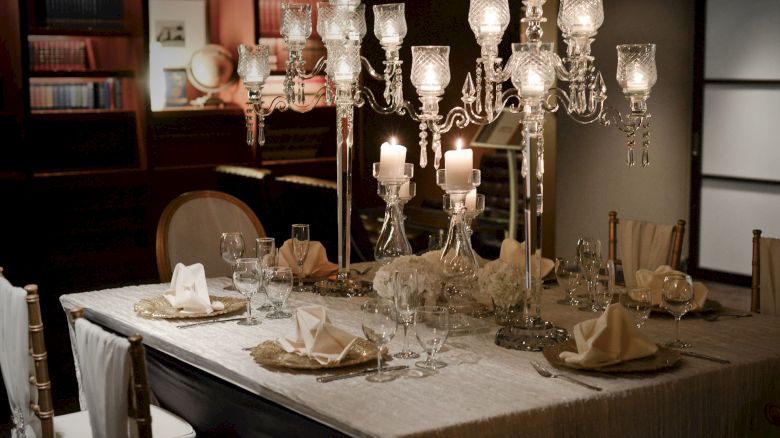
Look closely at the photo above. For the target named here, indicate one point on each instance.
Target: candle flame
(392, 140)
(459, 144)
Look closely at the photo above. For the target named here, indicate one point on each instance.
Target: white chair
(189, 229)
(765, 284)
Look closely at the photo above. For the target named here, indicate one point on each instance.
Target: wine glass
(266, 254)
(247, 277)
(589, 258)
(300, 242)
(567, 272)
(231, 247)
(379, 326)
(678, 297)
(406, 301)
(603, 285)
(279, 280)
(431, 325)
(639, 301)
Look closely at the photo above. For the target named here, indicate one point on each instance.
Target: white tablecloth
(486, 390)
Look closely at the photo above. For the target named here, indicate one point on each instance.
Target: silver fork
(544, 372)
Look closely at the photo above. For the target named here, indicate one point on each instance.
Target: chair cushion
(164, 425)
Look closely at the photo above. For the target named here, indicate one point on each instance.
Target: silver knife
(214, 321)
(704, 356)
(365, 372)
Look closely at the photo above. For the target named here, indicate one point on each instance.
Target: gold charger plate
(271, 354)
(159, 307)
(664, 358)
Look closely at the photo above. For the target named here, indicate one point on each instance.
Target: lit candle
(431, 81)
(471, 200)
(390, 35)
(490, 23)
(343, 73)
(295, 35)
(459, 166)
(392, 158)
(636, 80)
(533, 85)
(584, 24)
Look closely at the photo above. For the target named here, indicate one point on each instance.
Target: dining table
(206, 375)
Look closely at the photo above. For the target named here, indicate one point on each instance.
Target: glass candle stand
(392, 241)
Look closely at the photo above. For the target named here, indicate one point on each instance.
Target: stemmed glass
(266, 254)
(279, 281)
(639, 301)
(431, 325)
(300, 242)
(247, 277)
(678, 297)
(379, 326)
(231, 247)
(567, 272)
(589, 258)
(406, 301)
(604, 282)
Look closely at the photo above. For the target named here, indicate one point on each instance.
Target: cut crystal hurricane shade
(389, 23)
(296, 22)
(533, 69)
(636, 72)
(430, 69)
(339, 22)
(580, 17)
(253, 64)
(489, 18)
(343, 62)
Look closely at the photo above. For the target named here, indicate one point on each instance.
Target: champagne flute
(431, 325)
(300, 242)
(604, 282)
(379, 326)
(266, 254)
(406, 301)
(567, 272)
(589, 256)
(247, 277)
(231, 247)
(279, 286)
(639, 301)
(678, 297)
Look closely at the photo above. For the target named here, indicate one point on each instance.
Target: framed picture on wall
(175, 87)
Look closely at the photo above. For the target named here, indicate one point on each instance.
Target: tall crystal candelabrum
(392, 241)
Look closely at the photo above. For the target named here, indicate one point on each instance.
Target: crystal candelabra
(392, 241)
(532, 70)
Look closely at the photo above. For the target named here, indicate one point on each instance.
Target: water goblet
(567, 272)
(589, 258)
(231, 247)
(406, 299)
(266, 254)
(247, 277)
(278, 287)
(300, 242)
(603, 285)
(638, 300)
(677, 298)
(431, 325)
(379, 326)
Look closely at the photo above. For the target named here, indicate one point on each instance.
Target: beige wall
(592, 175)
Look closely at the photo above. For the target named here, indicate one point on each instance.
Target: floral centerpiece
(500, 286)
(430, 276)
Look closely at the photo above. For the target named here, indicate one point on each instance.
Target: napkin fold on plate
(316, 263)
(316, 337)
(513, 252)
(189, 292)
(608, 339)
(654, 280)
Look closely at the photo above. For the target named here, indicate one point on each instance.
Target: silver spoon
(544, 372)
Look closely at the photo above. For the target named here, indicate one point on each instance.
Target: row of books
(61, 55)
(83, 14)
(98, 94)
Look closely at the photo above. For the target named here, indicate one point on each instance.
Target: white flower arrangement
(430, 276)
(499, 282)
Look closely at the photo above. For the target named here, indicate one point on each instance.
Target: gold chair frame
(677, 240)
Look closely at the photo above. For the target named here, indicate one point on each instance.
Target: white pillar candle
(490, 24)
(458, 168)
(390, 35)
(471, 200)
(392, 158)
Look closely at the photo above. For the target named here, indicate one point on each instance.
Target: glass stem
(379, 362)
(249, 308)
(677, 328)
(406, 340)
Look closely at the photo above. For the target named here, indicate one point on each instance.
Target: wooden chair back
(44, 409)
(755, 280)
(138, 392)
(677, 240)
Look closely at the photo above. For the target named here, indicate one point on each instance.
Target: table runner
(486, 390)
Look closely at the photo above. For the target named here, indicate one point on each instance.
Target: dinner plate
(159, 307)
(271, 354)
(664, 358)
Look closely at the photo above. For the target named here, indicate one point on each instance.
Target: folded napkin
(317, 337)
(316, 263)
(608, 339)
(189, 292)
(513, 252)
(654, 280)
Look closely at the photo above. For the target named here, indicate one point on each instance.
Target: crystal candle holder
(488, 20)
(636, 73)
(253, 65)
(296, 24)
(343, 62)
(390, 25)
(470, 214)
(533, 71)
(392, 241)
(580, 18)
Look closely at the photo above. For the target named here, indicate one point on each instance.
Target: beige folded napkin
(608, 339)
(513, 252)
(316, 337)
(188, 290)
(654, 280)
(316, 263)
